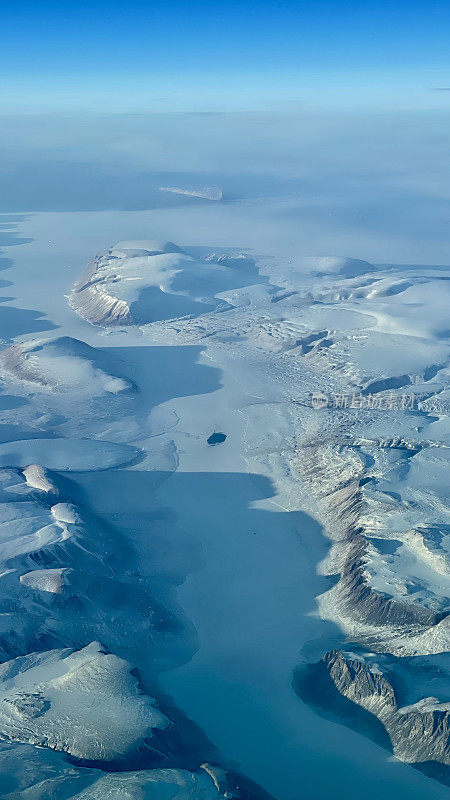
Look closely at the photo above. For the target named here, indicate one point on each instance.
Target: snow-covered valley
(175, 616)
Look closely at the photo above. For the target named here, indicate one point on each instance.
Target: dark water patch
(10, 401)
(8, 235)
(10, 239)
(6, 263)
(216, 438)
(13, 218)
(20, 321)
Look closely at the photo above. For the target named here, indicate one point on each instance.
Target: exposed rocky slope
(135, 283)
(418, 733)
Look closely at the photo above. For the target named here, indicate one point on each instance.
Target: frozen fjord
(268, 363)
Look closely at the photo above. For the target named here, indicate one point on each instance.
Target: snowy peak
(135, 283)
(65, 365)
(61, 700)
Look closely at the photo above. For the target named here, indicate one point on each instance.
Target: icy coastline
(97, 464)
(378, 377)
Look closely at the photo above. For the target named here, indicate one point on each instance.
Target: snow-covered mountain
(324, 382)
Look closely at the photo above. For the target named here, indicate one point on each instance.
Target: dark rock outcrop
(418, 734)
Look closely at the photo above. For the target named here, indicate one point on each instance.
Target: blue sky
(217, 55)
